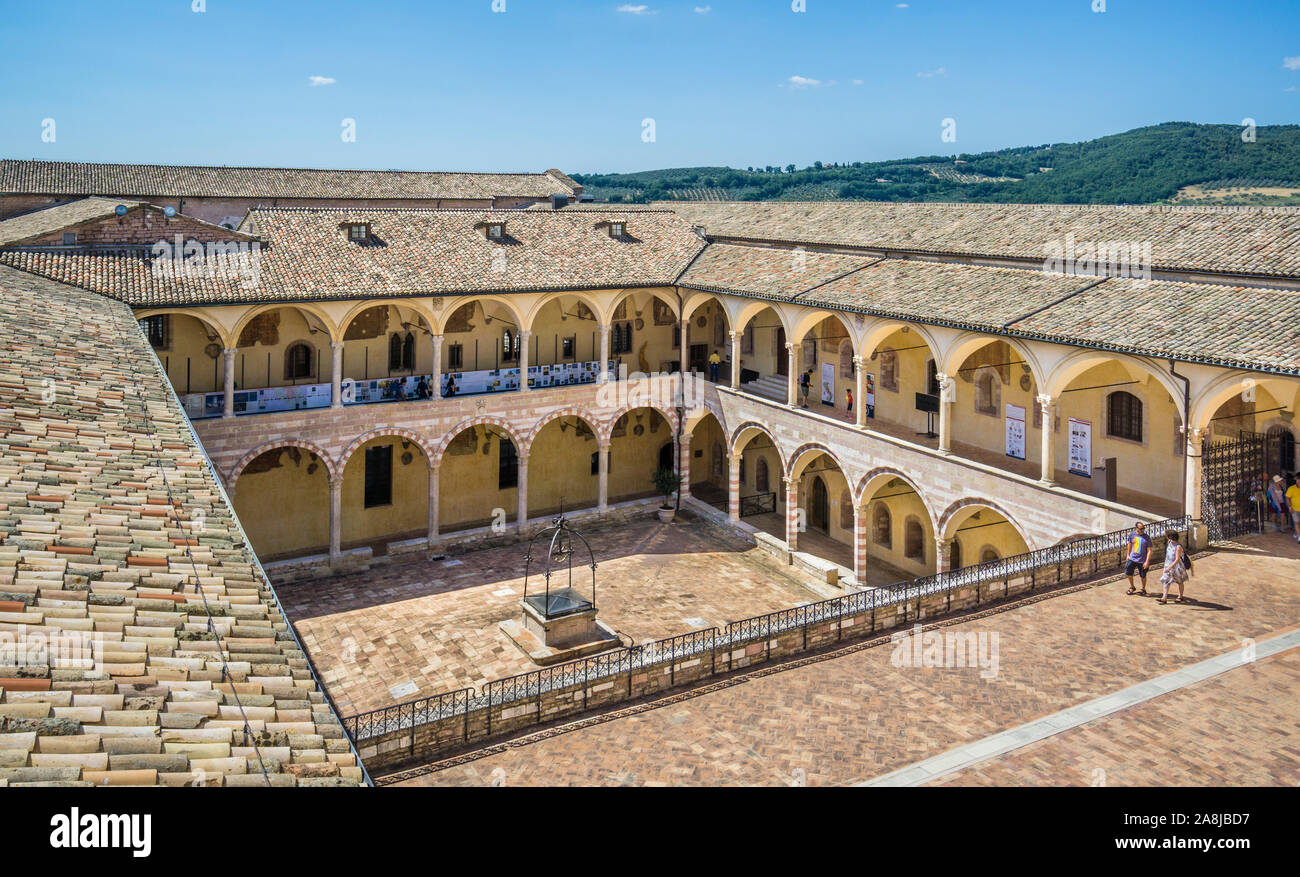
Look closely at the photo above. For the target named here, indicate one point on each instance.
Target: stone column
(942, 557)
(793, 376)
(436, 389)
(228, 410)
(524, 335)
(521, 509)
(735, 360)
(860, 546)
(733, 486)
(792, 513)
(336, 374)
(433, 507)
(604, 353)
(684, 464)
(1192, 489)
(947, 395)
(602, 463)
(1047, 405)
(336, 520)
(860, 392)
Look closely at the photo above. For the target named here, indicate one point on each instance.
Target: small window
(954, 555)
(882, 530)
(621, 340)
(496, 231)
(617, 229)
(508, 466)
(455, 357)
(1124, 416)
(298, 362)
(379, 476)
(69, 238)
(914, 540)
(595, 463)
(932, 382)
(509, 346)
(761, 476)
(359, 232)
(157, 329)
(567, 347)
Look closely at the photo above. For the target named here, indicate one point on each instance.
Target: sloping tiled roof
(163, 181)
(51, 219)
(1231, 326)
(1246, 240)
(143, 644)
(411, 252)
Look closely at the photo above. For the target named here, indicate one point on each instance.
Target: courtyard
(433, 625)
(852, 715)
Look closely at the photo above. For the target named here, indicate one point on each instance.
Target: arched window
(954, 555)
(408, 352)
(914, 540)
(298, 361)
(719, 466)
(394, 352)
(761, 482)
(989, 554)
(988, 391)
(509, 346)
(889, 370)
(1124, 416)
(846, 511)
(882, 526)
(846, 359)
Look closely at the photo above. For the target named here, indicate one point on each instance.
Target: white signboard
(1015, 431)
(1080, 446)
(869, 393)
(828, 383)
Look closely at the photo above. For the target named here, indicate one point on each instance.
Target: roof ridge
(257, 167)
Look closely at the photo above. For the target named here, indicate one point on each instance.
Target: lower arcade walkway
(871, 709)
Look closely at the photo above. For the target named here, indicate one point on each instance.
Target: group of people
(1178, 566)
(805, 387)
(1284, 501)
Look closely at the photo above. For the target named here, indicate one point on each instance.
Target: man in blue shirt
(1139, 558)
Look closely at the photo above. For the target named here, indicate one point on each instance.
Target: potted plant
(666, 482)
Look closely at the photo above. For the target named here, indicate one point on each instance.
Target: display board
(1080, 447)
(1015, 431)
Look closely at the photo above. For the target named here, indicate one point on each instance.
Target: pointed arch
(593, 423)
(332, 469)
(747, 432)
(469, 423)
(414, 438)
(956, 514)
(868, 486)
(807, 452)
(607, 425)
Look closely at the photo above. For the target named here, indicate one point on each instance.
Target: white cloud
(640, 9)
(703, 10)
(1292, 88)
(857, 81)
(1291, 63)
(803, 82)
(900, 5)
(938, 71)
(320, 80)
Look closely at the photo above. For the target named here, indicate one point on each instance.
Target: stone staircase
(769, 387)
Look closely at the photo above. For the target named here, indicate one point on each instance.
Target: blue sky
(450, 84)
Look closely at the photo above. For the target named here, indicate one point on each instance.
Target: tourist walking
(1277, 502)
(1293, 505)
(805, 384)
(715, 362)
(1139, 558)
(1176, 568)
(848, 395)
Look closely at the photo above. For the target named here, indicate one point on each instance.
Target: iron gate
(1233, 476)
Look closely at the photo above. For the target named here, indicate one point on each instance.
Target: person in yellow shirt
(714, 362)
(1293, 500)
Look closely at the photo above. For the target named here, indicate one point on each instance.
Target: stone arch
(332, 469)
(752, 309)
(224, 337)
(332, 331)
(413, 437)
(968, 343)
(608, 315)
(867, 487)
(879, 329)
(470, 423)
(737, 446)
(1075, 364)
(409, 303)
(605, 429)
(593, 423)
(545, 301)
(809, 318)
(952, 516)
(1206, 402)
(807, 452)
(443, 314)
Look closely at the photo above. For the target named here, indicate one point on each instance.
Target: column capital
(605, 327)
(735, 459)
(336, 345)
(859, 360)
(336, 482)
(734, 335)
(1046, 400)
(603, 445)
(525, 333)
(789, 347)
(229, 352)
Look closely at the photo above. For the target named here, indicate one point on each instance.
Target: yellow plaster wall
(408, 514)
(285, 511)
(468, 488)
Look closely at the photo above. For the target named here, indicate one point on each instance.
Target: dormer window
(617, 230)
(496, 231)
(69, 238)
(358, 232)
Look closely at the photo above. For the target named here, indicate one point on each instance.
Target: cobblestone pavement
(853, 715)
(434, 623)
(1241, 728)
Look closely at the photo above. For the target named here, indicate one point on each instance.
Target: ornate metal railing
(758, 504)
(1070, 560)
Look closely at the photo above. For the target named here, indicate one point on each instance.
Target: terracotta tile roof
(51, 219)
(141, 641)
(411, 252)
(1231, 326)
(162, 181)
(1250, 240)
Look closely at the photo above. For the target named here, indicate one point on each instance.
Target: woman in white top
(1175, 572)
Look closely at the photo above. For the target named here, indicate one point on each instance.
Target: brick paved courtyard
(434, 623)
(851, 716)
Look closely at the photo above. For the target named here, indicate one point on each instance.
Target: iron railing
(758, 504)
(1070, 560)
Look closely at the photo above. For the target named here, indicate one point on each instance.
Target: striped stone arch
(945, 519)
(582, 413)
(859, 494)
(814, 446)
(732, 450)
(607, 427)
(469, 423)
(331, 468)
(413, 437)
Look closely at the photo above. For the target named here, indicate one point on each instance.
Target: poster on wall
(828, 383)
(1015, 431)
(1080, 447)
(869, 393)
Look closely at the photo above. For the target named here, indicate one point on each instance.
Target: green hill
(1177, 162)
